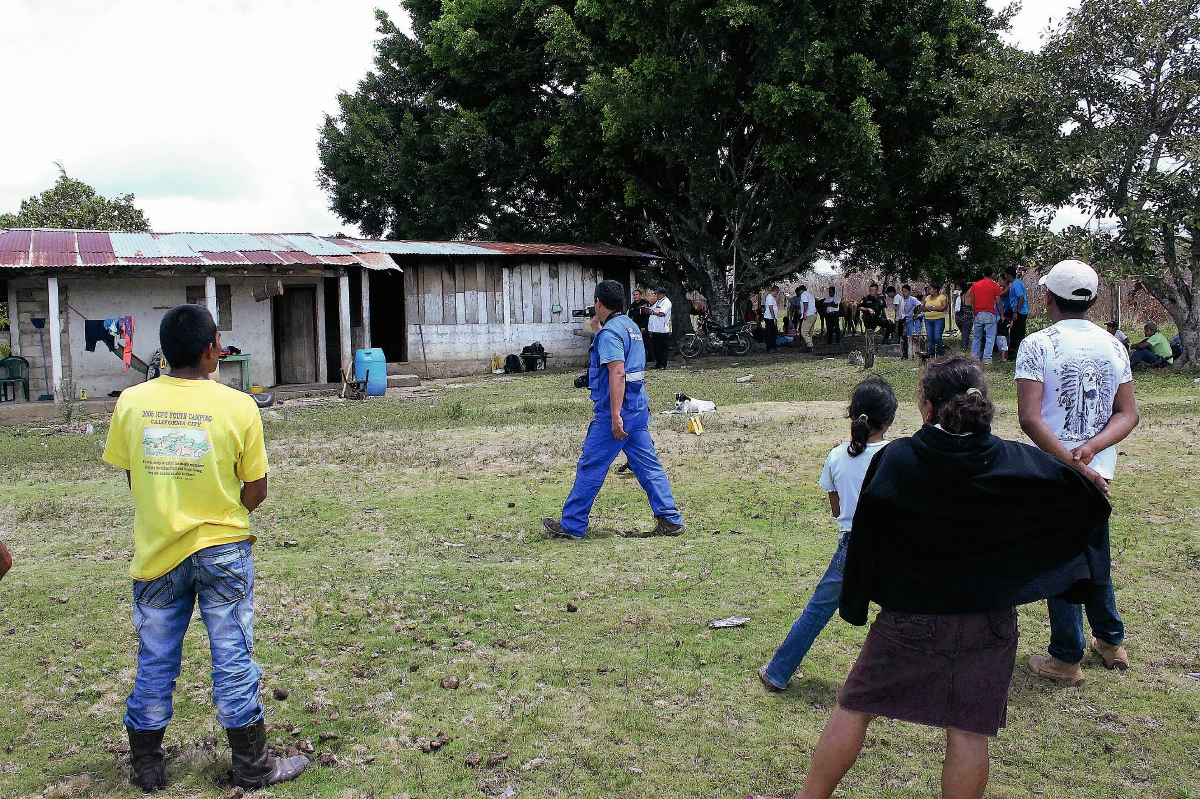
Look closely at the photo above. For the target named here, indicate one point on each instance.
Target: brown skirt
(940, 671)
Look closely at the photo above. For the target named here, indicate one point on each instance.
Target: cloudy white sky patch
(207, 110)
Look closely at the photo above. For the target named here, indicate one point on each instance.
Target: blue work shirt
(619, 340)
(1018, 298)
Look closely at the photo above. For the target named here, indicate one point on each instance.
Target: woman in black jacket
(942, 649)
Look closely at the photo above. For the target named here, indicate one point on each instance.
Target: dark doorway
(296, 336)
(389, 328)
(332, 332)
(619, 272)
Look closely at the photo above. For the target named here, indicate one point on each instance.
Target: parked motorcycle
(713, 337)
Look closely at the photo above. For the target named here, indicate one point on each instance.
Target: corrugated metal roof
(410, 247)
(580, 250)
(80, 248)
(14, 247)
(486, 248)
(377, 260)
(66, 248)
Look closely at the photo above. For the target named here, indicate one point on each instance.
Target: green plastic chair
(14, 371)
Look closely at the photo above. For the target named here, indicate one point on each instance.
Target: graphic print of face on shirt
(1086, 394)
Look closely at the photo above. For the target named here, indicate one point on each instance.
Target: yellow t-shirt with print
(188, 446)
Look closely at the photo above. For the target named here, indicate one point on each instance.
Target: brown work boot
(1113, 655)
(1052, 668)
(665, 527)
(253, 764)
(554, 529)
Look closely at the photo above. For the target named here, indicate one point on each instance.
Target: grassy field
(401, 544)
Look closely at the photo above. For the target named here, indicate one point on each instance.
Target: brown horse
(849, 312)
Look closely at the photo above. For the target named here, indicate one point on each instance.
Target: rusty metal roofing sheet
(298, 258)
(14, 247)
(95, 248)
(261, 257)
(378, 260)
(54, 243)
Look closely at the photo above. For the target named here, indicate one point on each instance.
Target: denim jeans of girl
(934, 328)
(816, 615)
(220, 580)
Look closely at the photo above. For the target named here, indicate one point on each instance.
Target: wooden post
(366, 307)
(210, 298)
(54, 329)
(344, 320)
(14, 315)
(507, 273)
(322, 349)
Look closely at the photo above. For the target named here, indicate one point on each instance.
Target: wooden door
(296, 335)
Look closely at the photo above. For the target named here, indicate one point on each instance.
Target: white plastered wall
(148, 299)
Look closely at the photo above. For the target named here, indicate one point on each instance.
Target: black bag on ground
(512, 364)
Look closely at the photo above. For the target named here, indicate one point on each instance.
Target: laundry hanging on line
(120, 327)
(95, 332)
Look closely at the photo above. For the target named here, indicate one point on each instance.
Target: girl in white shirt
(872, 411)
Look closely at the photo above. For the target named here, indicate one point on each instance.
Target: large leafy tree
(743, 139)
(74, 204)
(1127, 75)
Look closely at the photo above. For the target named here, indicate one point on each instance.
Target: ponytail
(872, 408)
(860, 431)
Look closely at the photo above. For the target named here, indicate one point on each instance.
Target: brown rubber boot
(1113, 655)
(147, 760)
(1052, 668)
(253, 765)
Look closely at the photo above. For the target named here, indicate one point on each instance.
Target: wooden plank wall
(471, 292)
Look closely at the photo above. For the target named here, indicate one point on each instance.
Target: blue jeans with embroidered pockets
(1066, 626)
(817, 613)
(220, 579)
(600, 449)
(983, 327)
(934, 328)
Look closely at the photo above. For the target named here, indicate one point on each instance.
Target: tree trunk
(1181, 298)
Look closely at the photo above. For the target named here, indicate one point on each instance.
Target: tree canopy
(743, 139)
(1126, 75)
(74, 204)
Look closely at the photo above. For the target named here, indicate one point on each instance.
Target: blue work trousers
(600, 448)
(221, 580)
(817, 613)
(983, 336)
(1066, 626)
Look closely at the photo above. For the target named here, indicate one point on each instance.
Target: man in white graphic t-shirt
(1075, 401)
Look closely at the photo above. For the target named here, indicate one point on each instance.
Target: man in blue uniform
(622, 422)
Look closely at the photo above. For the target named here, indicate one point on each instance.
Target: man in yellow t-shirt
(195, 461)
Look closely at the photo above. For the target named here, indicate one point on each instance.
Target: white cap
(1071, 280)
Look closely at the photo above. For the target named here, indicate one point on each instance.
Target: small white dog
(685, 404)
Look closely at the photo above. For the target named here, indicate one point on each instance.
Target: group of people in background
(995, 314)
(942, 650)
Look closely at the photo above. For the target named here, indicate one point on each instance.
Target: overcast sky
(207, 110)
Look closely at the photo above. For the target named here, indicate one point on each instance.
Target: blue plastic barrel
(369, 365)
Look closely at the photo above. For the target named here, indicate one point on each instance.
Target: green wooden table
(243, 362)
